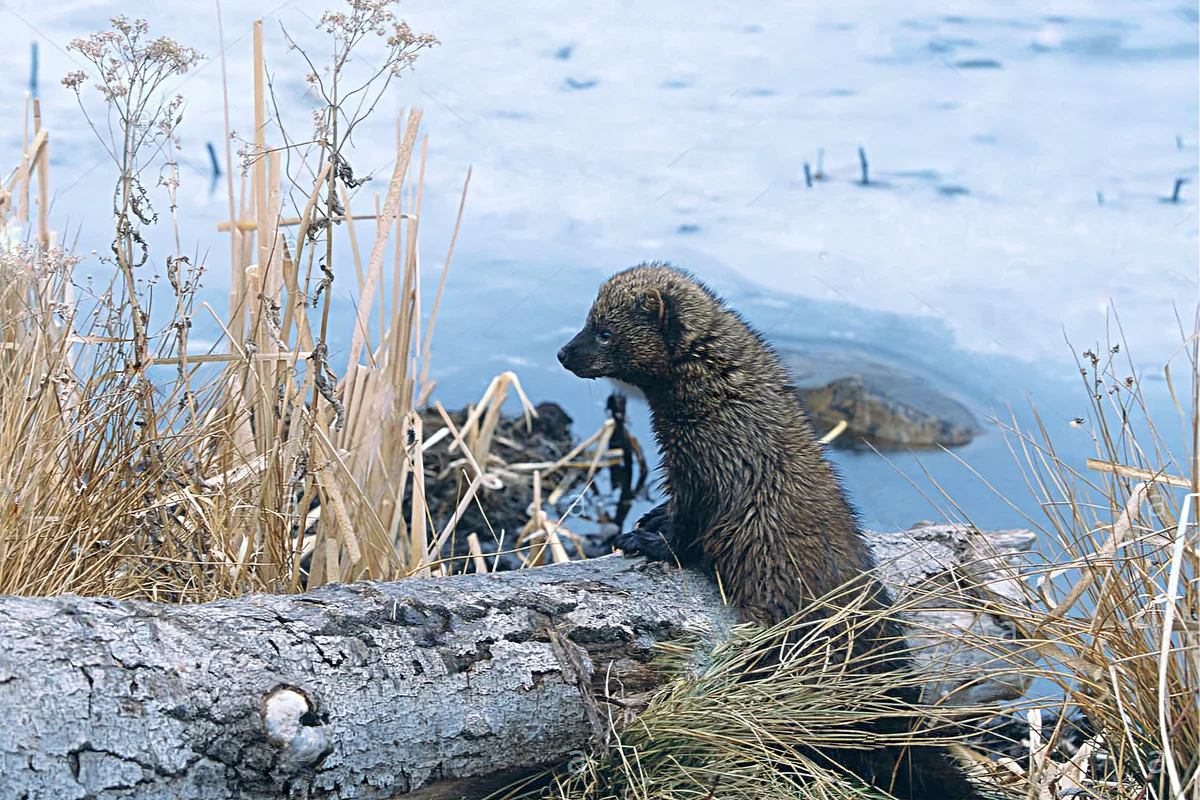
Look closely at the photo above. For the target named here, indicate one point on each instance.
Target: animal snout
(562, 356)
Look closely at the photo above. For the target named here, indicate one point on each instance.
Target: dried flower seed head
(74, 79)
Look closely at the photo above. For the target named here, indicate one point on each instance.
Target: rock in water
(883, 405)
(880, 419)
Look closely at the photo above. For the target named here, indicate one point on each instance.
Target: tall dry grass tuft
(132, 465)
(726, 725)
(1116, 602)
(135, 466)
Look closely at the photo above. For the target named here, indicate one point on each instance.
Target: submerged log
(437, 688)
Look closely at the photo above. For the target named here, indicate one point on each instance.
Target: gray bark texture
(437, 688)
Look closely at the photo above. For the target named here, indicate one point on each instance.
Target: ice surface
(1018, 154)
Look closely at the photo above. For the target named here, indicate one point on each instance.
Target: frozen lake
(1018, 154)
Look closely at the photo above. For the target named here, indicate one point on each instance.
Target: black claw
(654, 545)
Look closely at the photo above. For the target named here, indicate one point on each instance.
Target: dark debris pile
(498, 516)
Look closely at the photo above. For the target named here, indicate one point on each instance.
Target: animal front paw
(656, 519)
(653, 537)
(654, 545)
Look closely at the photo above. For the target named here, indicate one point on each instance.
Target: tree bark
(437, 688)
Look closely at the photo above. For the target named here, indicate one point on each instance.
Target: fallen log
(436, 688)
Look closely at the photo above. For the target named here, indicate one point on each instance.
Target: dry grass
(133, 466)
(1117, 606)
(202, 496)
(712, 733)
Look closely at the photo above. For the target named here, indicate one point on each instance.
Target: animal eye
(604, 336)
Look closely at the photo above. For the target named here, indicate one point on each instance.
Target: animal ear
(662, 311)
(653, 304)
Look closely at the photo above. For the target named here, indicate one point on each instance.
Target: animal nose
(562, 356)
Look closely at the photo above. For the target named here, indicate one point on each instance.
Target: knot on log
(293, 725)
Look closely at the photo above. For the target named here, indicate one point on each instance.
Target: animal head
(643, 320)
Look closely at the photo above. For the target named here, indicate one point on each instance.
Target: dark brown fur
(750, 493)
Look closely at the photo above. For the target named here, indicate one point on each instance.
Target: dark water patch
(757, 92)
(564, 53)
(675, 83)
(581, 85)
(841, 93)
(978, 63)
(814, 364)
(922, 346)
(940, 45)
(688, 228)
(953, 191)
(752, 28)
